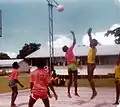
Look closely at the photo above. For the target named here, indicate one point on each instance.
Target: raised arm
(89, 34)
(74, 39)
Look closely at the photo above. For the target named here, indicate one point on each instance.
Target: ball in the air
(60, 8)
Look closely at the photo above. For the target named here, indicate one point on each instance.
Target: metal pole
(51, 44)
(52, 35)
(0, 23)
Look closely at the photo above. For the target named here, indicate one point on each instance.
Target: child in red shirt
(39, 81)
(13, 80)
(72, 65)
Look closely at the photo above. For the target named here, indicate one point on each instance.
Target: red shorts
(41, 96)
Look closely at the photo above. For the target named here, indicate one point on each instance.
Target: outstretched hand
(74, 39)
(89, 31)
(72, 33)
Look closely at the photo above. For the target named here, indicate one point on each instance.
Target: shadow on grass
(22, 104)
(80, 102)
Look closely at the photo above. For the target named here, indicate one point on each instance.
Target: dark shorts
(12, 83)
(73, 74)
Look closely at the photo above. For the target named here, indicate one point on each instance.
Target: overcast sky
(26, 21)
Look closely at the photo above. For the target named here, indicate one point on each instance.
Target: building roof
(43, 52)
(8, 63)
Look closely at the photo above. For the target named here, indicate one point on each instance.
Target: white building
(6, 65)
(106, 58)
(106, 54)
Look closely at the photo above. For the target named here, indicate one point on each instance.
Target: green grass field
(105, 82)
(24, 79)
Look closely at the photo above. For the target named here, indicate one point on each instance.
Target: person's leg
(117, 92)
(90, 70)
(75, 81)
(54, 81)
(69, 82)
(46, 102)
(31, 102)
(48, 91)
(14, 95)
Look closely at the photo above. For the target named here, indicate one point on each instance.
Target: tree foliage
(4, 56)
(116, 33)
(28, 49)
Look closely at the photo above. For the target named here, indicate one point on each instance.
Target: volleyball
(60, 8)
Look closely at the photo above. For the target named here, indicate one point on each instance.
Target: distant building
(6, 65)
(106, 56)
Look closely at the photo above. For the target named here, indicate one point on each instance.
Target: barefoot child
(91, 65)
(13, 80)
(72, 65)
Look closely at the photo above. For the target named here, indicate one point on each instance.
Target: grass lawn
(105, 82)
(24, 79)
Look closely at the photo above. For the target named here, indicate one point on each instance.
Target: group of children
(91, 65)
(40, 79)
(40, 82)
(72, 63)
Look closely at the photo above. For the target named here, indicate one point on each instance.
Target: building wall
(7, 70)
(107, 60)
(100, 60)
(99, 70)
(24, 66)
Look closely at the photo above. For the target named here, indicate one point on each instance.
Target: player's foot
(94, 95)
(116, 103)
(76, 94)
(14, 105)
(69, 95)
